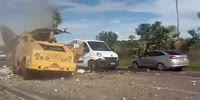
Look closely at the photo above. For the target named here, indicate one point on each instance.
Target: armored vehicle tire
(14, 70)
(25, 72)
(92, 65)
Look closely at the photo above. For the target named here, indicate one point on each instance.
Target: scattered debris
(77, 80)
(123, 98)
(148, 70)
(4, 70)
(156, 95)
(81, 71)
(10, 76)
(55, 90)
(62, 78)
(158, 88)
(193, 81)
(157, 73)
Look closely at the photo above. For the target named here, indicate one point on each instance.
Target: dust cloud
(25, 15)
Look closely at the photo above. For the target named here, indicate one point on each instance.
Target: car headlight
(100, 56)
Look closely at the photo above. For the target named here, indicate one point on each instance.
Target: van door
(83, 59)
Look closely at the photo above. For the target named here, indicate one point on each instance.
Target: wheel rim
(135, 65)
(160, 67)
(91, 65)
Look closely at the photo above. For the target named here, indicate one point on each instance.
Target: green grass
(194, 66)
(125, 62)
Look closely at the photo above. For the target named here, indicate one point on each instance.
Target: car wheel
(91, 65)
(135, 65)
(161, 67)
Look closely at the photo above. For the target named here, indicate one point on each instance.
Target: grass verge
(125, 62)
(194, 66)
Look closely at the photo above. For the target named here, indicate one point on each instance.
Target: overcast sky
(86, 18)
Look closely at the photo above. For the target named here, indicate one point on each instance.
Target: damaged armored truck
(38, 51)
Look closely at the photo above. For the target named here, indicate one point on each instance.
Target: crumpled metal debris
(77, 80)
(81, 71)
(4, 70)
(157, 73)
(123, 98)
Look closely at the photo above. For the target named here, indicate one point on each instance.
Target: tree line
(153, 36)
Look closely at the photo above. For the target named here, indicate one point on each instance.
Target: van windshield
(98, 46)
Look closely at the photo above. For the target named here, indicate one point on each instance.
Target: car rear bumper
(177, 66)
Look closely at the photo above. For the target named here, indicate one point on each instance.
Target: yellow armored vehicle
(39, 51)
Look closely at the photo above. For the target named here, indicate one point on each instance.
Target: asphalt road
(121, 84)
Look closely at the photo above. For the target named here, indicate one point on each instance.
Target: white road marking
(176, 76)
(170, 89)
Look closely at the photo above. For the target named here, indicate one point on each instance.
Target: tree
(109, 37)
(131, 37)
(56, 18)
(157, 35)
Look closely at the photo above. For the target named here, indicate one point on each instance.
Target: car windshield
(173, 53)
(98, 46)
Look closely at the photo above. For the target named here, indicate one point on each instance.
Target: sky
(86, 18)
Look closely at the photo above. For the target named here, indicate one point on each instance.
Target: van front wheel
(91, 65)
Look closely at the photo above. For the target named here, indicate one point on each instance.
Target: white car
(97, 54)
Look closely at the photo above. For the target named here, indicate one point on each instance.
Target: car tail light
(172, 57)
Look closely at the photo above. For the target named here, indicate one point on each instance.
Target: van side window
(86, 48)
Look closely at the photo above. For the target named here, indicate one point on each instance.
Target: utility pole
(177, 15)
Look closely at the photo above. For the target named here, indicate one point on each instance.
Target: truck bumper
(53, 66)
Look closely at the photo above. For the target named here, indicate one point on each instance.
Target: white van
(97, 54)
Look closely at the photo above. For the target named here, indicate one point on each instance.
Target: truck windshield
(98, 46)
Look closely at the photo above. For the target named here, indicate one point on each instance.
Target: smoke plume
(25, 15)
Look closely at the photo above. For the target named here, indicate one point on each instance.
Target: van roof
(82, 40)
